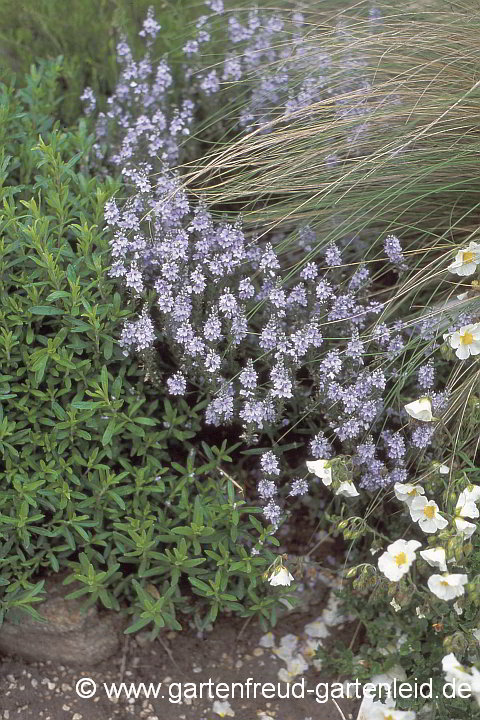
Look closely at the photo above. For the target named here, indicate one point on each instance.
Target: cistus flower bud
(456, 643)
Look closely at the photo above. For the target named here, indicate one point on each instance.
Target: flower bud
(452, 546)
(456, 643)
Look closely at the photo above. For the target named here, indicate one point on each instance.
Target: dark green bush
(100, 474)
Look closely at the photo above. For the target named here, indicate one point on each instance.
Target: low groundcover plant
(101, 477)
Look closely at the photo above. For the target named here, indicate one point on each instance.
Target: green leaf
(45, 310)
(86, 404)
(200, 585)
(58, 294)
(109, 432)
(145, 421)
(108, 349)
(138, 625)
(183, 530)
(39, 368)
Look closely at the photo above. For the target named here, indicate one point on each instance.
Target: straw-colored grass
(413, 172)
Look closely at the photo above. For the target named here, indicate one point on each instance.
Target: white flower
(322, 469)
(463, 527)
(223, 708)
(426, 514)
(457, 608)
(435, 557)
(465, 506)
(419, 613)
(288, 646)
(406, 492)
(466, 260)
(420, 409)
(280, 576)
(465, 341)
(309, 648)
(443, 469)
(267, 641)
(395, 605)
(396, 672)
(379, 711)
(447, 587)
(295, 666)
(472, 492)
(347, 489)
(396, 561)
(454, 670)
(317, 629)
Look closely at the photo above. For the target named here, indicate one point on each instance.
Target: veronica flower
(465, 341)
(177, 384)
(394, 252)
(466, 260)
(426, 514)
(398, 558)
(447, 587)
(299, 487)
(420, 409)
(269, 463)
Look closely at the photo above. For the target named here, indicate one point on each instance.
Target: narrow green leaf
(45, 310)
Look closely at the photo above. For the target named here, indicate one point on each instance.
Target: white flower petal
(317, 467)
(447, 587)
(347, 489)
(420, 409)
(280, 576)
(435, 557)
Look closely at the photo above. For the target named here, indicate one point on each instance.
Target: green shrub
(100, 474)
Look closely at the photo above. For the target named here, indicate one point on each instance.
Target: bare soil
(47, 690)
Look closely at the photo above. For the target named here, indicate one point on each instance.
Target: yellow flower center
(412, 492)
(444, 582)
(466, 338)
(400, 559)
(468, 256)
(388, 717)
(429, 511)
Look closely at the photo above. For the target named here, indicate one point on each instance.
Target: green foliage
(86, 37)
(100, 474)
